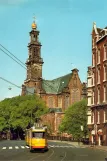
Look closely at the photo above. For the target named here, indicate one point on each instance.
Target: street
(58, 151)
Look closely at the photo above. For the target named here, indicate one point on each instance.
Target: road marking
(64, 156)
(4, 148)
(10, 147)
(16, 147)
(49, 146)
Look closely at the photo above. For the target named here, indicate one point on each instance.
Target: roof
(57, 85)
(99, 30)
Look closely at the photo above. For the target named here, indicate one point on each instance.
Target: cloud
(12, 2)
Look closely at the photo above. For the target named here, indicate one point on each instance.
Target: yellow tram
(36, 138)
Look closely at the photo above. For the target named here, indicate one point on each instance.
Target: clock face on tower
(36, 70)
(36, 66)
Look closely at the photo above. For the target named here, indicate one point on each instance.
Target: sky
(65, 34)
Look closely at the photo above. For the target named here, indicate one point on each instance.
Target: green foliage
(19, 111)
(75, 117)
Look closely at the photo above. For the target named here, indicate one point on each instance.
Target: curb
(72, 143)
(98, 148)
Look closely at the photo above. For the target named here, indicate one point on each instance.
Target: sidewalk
(104, 148)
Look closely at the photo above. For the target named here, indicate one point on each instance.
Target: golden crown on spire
(34, 26)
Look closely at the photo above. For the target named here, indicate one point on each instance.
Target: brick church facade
(58, 93)
(97, 87)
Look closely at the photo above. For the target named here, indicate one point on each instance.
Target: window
(89, 82)
(50, 102)
(93, 78)
(93, 43)
(92, 100)
(60, 102)
(75, 94)
(98, 121)
(98, 56)
(34, 51)
(93, 60)
(34, 39)
(38, 134)
(105, 73)
(105, 93)
(104, 116)
(66, 101)
(92, 117)
(105, 52)
(98, 96)
(98, 72)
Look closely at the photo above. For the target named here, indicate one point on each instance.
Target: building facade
(97, 87)
(58, 93)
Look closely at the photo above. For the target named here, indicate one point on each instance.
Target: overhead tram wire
(12, 54)
(10, 82)
(13, 84)
(12, 58)
(21, 64)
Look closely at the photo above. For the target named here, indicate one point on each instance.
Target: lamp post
(82, 129)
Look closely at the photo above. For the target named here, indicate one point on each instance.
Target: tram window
(38, 134)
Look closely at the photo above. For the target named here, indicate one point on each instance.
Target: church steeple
(34, 26)
(34, 62)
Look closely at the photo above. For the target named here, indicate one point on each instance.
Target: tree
(75, 117)
(19, 111)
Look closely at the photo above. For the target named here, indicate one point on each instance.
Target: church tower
(34, 62)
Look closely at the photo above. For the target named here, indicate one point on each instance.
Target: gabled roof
(57, 85)
(99, 30)
(96, 29)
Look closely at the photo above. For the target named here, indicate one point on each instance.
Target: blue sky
(65, 33)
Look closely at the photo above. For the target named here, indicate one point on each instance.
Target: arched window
(66, 102)
(60, 102)
(50, 102)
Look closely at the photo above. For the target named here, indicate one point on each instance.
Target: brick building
(58, 93)
(97, 87)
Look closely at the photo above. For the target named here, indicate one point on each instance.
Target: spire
(34, 26)
(94, 27)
